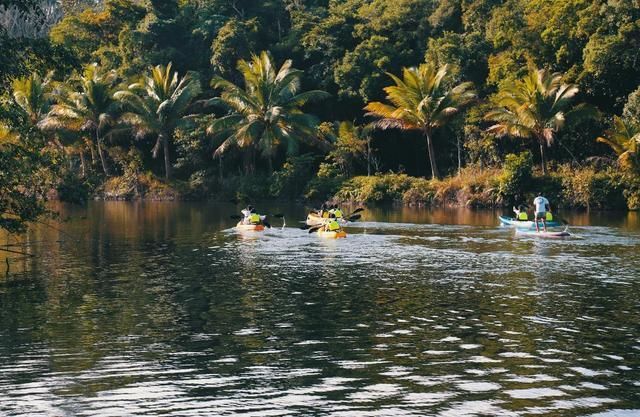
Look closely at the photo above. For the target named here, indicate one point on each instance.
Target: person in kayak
(251, 217)
(336, 212)
(521, 213)
(542, 206)
(332, 225)
(324, 210)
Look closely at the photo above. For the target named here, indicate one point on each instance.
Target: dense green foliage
(470, 76)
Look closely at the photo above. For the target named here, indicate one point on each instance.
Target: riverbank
(574, 189)
(472, 188)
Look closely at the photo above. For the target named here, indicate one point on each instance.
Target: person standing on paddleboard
(541, 205)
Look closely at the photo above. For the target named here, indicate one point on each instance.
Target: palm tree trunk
(92, 150)
(432, 156)
(167, 157)
(543, 163)
(83, 164)
(103, 160)
(368, 156)
(459, 155)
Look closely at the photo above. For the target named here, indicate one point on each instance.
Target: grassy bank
(583, 188)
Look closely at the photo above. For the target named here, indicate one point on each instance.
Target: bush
(588, 188)
(515, 176)
(473, 187)
(326, 183)
(245, 188)
(76, 190)
(376, 188)
(291, 180)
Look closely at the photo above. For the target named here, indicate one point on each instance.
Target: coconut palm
(624, 139)
(86, 105)
(157, 105)
(266, 112)
(422, 101)
(33, 95)
(536, 107)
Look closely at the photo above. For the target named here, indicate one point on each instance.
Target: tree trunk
(220, 172)
(92, 150)
(103, 160)
(432, 156)
(368, 156)
(83, 164)
(167, 156)
(269, 164)
(459, 155)
(543, 163)
(249, 161)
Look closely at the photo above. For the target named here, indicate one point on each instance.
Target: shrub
(588, 188)
(376, 188)
(326, 183)
(291, 180)
(515, 176)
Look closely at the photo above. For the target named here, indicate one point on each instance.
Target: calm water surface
(163, 309)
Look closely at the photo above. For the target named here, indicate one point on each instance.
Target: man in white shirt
(541, 205)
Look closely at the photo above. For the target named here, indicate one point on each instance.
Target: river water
(164, 309)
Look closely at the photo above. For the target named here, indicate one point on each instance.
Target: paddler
(521, 213)
(542, 207)
(336, 212)
(251, 217)
(324, 210)
(332, 225)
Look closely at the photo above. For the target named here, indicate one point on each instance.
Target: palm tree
(32, 95)
(86, 106)
(266, 112)
(624, 139)
(157, 105)
(536, 107)
(422, 101)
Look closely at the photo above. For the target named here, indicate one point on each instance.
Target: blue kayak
(524, 224)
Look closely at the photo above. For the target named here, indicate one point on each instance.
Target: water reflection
(165, 309)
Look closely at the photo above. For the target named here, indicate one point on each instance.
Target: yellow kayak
(254, 227)
(332, 235)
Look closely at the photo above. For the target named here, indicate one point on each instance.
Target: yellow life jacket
(325, 214)
(254, 218)
(333, 226)
(523, 216)
(338, 213)
(549, 216)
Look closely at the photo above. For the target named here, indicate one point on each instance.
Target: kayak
(332, 235)
(315, 220)
(253, 227)
(525, 224)
(541, 233)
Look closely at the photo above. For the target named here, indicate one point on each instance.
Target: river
(131, 309)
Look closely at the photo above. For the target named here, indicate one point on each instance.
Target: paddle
(358, 210)
(315, 228)
(354, 217)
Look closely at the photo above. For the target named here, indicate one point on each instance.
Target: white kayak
(314, 220)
